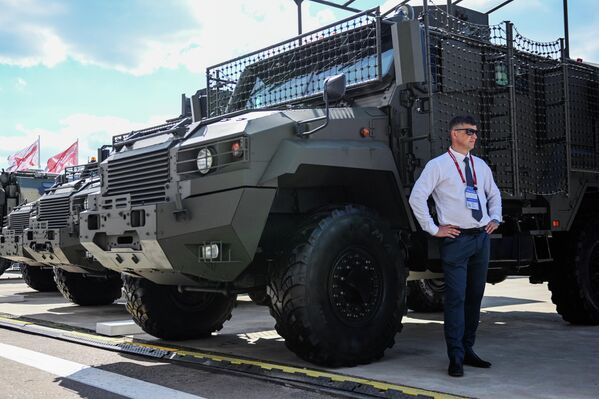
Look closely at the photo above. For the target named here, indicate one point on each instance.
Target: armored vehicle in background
(53, 240)
(271, 188)
(17, 188)
(36, 275)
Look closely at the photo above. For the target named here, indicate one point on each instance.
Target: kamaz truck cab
(294, 179)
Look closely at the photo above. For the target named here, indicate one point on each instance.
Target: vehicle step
(116, 328)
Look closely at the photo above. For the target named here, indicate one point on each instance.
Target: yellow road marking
(380, 385)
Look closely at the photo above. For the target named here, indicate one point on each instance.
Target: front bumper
(58, 247)
(163, 242)
(11, 248)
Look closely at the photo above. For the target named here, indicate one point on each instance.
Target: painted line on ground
(224, 361)
(91, 376)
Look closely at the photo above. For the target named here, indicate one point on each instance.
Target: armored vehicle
(36, 275)
(53, 240)
(15, 189)
(294, 179)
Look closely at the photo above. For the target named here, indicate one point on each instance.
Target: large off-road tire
(426, 295)
(38, 278)
(574, 282)
(166, 313)
(4, 265)
(338, 295)
(88, 290)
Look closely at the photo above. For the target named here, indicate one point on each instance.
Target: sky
(90, 69)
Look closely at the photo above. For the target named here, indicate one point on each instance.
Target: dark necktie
(476, 213)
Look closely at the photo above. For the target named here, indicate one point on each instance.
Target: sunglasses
(469, 131)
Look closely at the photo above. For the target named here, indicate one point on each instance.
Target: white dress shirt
(441, 178)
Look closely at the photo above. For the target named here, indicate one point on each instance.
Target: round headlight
(205, 160)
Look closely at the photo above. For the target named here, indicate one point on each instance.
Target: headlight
(204, 160)
(85, 203)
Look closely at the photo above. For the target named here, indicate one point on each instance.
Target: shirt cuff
(432, 229)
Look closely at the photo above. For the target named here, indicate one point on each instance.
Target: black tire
(4, 265)
(260, 297)
(38, 278)
(166, 313)
(574, 281)
(338, 295)
(426, 295)
(86, 290)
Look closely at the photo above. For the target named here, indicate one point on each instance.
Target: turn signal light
(555, 223)
(365, 132)
(236, 149)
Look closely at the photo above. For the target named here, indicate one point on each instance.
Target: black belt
(474, 230)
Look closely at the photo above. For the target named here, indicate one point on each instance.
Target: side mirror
(334, 88)
(2, 197)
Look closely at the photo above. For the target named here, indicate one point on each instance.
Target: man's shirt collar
(458, 156)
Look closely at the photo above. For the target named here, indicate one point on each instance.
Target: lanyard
(455, 161)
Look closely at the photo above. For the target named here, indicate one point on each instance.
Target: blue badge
(471, 198)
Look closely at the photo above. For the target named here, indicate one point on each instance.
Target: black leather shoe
(456, 369)
(472, 359)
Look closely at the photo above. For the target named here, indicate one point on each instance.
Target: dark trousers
(465, 263)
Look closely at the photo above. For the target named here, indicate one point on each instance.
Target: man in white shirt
(468, 205)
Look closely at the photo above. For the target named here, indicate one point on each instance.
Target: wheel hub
(355, 286)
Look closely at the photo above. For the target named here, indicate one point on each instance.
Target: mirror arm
(303, 123)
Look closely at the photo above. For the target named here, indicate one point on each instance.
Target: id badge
(471, 199)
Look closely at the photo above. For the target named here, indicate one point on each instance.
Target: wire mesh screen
(514, 89)
(296, 69)
(540, 116)
(470, 76)
(583, 83)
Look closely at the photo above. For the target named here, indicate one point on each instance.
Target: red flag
(24, 159)
(68, 157)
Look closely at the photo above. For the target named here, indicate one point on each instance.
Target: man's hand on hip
(491, 227)
(448, 230)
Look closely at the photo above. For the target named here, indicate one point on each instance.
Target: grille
(55, 211)
(18, 221)
(142, 176)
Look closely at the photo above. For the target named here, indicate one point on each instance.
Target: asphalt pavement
(535, 354)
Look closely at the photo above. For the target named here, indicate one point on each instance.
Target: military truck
(294, 179)
(53, 240)
(17, 188)
(36, 275)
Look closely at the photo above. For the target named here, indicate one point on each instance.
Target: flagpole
(39, 153)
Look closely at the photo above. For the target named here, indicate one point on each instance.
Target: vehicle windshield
(265, 93)
(294, 70)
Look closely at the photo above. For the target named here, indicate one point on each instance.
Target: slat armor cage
(295, 69)
(513, 87)
(538, 112)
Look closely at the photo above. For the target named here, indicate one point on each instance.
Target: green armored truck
(17, 188)
(36, 275)
(53, 240)
(294, 174)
